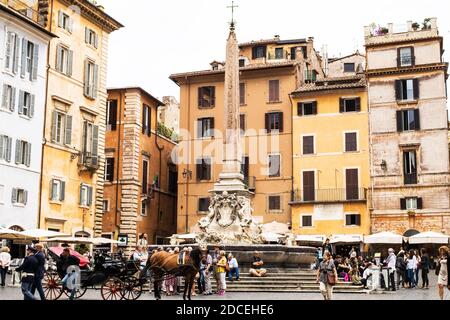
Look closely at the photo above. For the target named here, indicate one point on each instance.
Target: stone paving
(14, 293)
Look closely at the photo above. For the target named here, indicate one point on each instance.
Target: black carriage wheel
(52, 286)
(132, 289)
(80, 292)
(112, 289)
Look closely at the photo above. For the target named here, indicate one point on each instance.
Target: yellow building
(73, 157)
(331, 160)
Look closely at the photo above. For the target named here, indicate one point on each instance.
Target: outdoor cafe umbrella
(9, 234)
(383, 238)
(39, 234)
(80, 240)
(315, 239)
(429, 238)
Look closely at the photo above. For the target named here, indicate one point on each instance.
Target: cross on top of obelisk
(232, 23)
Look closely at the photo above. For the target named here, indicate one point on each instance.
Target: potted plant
(426, 24)
(384, 30)
(415, 26)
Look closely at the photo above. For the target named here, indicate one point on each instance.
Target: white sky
(171, 36)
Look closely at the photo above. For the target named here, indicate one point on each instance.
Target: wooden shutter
(16, 56)
(60, 19)
(352, 184)
(267, 122)
(54, 125)
(35, 62)
(70, 63)
(413, 57)
(309, 186)
(8, 149)
(341, 105)
(3, 147)
(358, 104)
(12, 105)
(149, 121)
(21, 101)
(59, 64)
(86, 78)
(399, 121)
(31, 106)
(199, 128)
(245, 168)
(28, 154)
(314, 107)
(254, 52)
(95, 82)
(68, 130)
(351, 144)
(95, 40)
(274, 90)
(14, 195)
(5, 96)
(18, 151)
(207, 164)
(24, 57)
(308, 145)
(403, 204)
(419, 203)
(95, 143)
(113, 114)
(242, 93)
(198, 169)
(416, 89)
(213, 96)
(89, 196)
(300, 109)
(86, 35)
(144, 119)
(416, 119)
(399, 57)
(81, 194)
(8, 51)
(280, 115)
(398, 90)
(200, 97)
(242, 124)
(52, 189)
(358, 219)
(62, 193)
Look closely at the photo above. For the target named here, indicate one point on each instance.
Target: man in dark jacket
(66, 260)
(327, 247)
(40, 256)
(29, 268)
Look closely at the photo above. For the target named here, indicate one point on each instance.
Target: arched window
(82, 234)
(17, 228)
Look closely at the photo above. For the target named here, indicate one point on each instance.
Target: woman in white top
(5, 261)
(411, 268)
(416, 271)
(443, 271)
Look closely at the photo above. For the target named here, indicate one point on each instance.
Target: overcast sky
(172, 36)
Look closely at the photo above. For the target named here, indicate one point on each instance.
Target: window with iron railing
(310, 195)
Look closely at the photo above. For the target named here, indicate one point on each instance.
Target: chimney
(276, 37)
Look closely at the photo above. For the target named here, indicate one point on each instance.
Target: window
(5, 148)
(206, 97)
(203, 167)
(90, 144)
(205, 127)
(58, 188)
(293, 53)
(407, 89)
(274, 203)
(350, 105)
(8, 98)
(23, 152)
(111, 115)
(351, 142)
(308, 145)
(406, 57)
(12, 52)
(259, 52)
(85, 195)
(65, 22)
(306, 108)
(90, 79)
(408, 120)
(242, 93)
(309, 193)
(64, 60)
(105, 206)
(241, 63)
(353, 220)
(144, 209)
(19, 196)
(203, 204)
(411, 204)
(274, 122)
(109, 169)
(145, 177)
(274, 165)
(349, 67)
(146, 120)
(279, 53)
(2, 194)
(307, 221)
(242, 123)
(245, 166)
(274, 90)
(173, 179)
(352, 184)
(91, 37)
(26, 103)
(30, 59)
(61, 128)
(410, 167)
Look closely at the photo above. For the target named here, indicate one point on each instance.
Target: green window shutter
(70, 63)
(24, 57)
(32, 103)
(68, 130)
(21, 101)
(35, 62)
(62, 194)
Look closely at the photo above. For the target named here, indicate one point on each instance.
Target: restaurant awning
(346, 238)
(384, 238)
(319, 239)
(429, 238)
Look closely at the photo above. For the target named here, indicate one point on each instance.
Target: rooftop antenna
(232, 23)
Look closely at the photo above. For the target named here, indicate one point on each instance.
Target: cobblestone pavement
(14, 293)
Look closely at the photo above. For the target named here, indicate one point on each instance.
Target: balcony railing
(411, 178)
(329, 195)
(283, 56)
(406, 60)
(23, 9)
(250, 182)
(88, 160)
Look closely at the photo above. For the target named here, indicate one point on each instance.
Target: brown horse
(165, 264)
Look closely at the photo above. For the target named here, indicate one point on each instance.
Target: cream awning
(311, 238)
(429, 238)
(383, 238)
(346, 238)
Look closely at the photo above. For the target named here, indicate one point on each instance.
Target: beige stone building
(269, 71)
(346, 66)
(169, 113)
(408, 129)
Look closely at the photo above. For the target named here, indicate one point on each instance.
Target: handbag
(331, 279)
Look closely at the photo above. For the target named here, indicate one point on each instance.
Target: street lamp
(187, 174)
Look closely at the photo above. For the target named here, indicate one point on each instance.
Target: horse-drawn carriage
(116, 279)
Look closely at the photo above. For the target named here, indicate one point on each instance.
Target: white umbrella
(346, 238)
(383, 238)
(71, 240)
(104, 241)
(42, 234)
(186, 236)
(429, 238)
(311, 238)
(11, 234)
